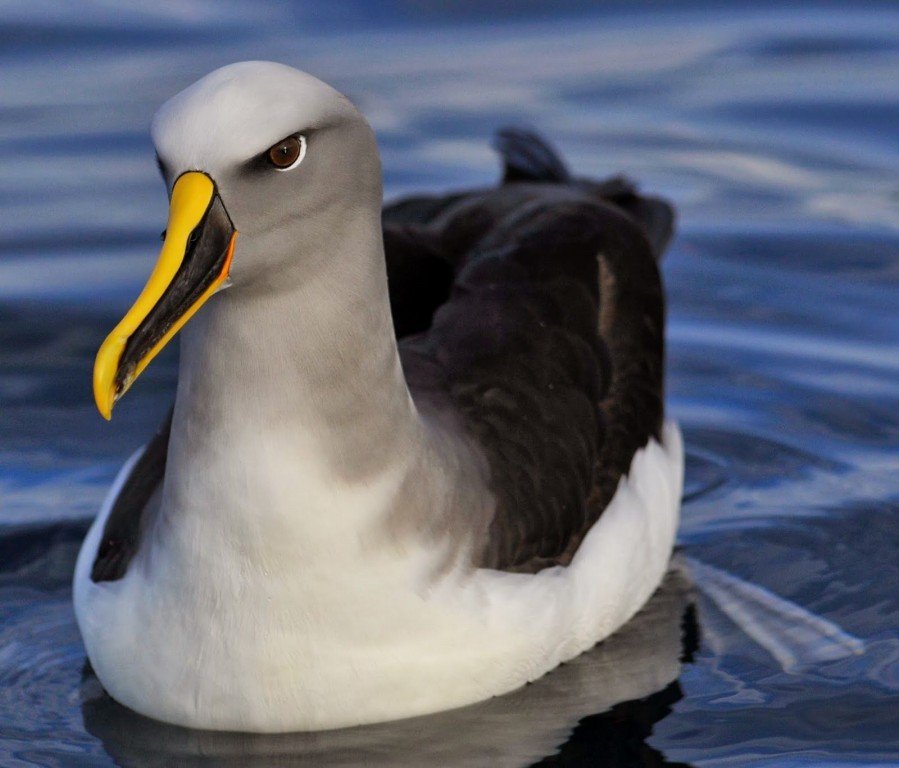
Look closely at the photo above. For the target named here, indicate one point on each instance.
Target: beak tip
(105, 408)
(105, 367)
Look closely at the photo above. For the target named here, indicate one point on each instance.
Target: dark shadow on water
(618, 737)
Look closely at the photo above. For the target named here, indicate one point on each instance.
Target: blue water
(775, 132)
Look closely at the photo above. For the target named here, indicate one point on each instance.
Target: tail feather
(527, 156)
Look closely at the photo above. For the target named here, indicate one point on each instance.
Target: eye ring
(287, 153)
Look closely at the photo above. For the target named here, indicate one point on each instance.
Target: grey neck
(292, 408)
(312, 352)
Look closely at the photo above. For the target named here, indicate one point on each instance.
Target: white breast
(200, 632)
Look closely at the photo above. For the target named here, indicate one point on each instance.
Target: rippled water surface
(774, 131)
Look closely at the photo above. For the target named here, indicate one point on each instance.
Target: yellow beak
(194, 263)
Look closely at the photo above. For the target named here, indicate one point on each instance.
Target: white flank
(222, 643)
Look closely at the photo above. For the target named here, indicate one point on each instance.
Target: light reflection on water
(773, 131)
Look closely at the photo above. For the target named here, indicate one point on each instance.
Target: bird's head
(260, 161)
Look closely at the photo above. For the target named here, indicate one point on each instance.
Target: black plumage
(535, 311)
(550, 342)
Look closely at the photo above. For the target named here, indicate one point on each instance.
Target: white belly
(295, 638)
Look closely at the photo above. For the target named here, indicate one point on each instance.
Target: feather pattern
(549, 345)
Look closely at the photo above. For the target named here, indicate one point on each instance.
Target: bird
(418, 455)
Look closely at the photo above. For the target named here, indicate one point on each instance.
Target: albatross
(418, 455)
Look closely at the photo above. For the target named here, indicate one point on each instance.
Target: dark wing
(528, 157)
(549, 348)
(427, 237)
(122, 532)
(419, 278)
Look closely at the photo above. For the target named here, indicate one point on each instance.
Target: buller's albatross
(334, 527)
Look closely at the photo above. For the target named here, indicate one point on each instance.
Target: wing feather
(550, 345)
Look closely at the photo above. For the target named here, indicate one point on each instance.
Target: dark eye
(288, 152)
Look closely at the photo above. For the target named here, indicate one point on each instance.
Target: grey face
(264, 164)
(226, 125)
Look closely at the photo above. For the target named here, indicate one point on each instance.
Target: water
(774, 131)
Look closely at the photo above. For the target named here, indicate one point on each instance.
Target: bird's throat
(320, 361)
